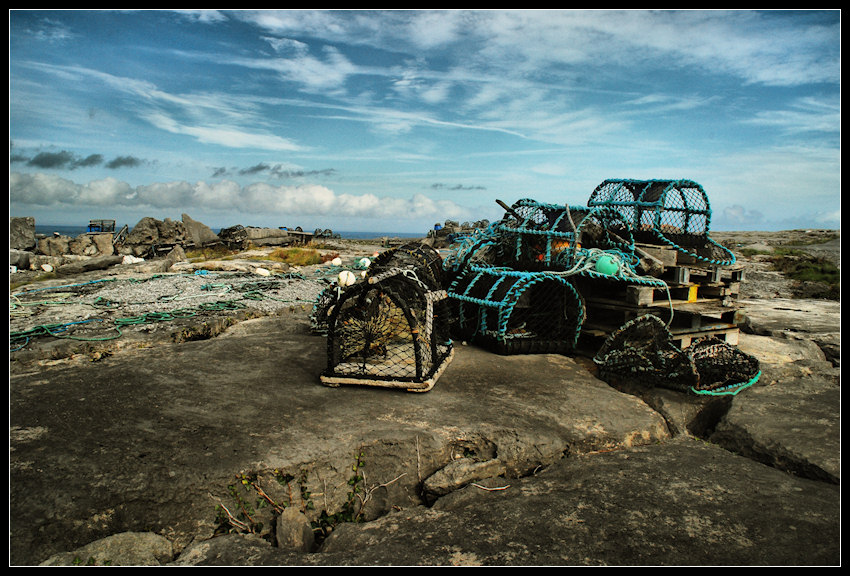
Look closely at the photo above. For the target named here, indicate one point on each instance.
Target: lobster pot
(415, 260)
(538, 236)
(675, 209)
(517, 312)
(389, 333)
(322, 308)
(482, 249)
(642, 352)
(601, 227)
(672, 212)
(722, 367)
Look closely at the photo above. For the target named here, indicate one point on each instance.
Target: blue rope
(730, 390)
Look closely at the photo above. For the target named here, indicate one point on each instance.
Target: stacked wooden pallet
(698, 299)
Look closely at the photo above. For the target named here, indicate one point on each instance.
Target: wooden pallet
(677, 265)
(617, 294)
(693, 310)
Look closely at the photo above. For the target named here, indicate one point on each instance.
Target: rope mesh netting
(517, 312)
(535, 236)
(674, 212)
(393, 326)
(511, 284)
(642, 351)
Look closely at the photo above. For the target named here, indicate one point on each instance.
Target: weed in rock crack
(247, 498)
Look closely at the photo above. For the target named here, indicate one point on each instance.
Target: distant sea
(74, 231)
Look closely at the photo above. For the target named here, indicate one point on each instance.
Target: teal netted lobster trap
(676, 213)
(514, 312)
(536, 236)
(512, 284)
(392, 328)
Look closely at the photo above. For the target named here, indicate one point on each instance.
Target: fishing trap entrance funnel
(391, 330)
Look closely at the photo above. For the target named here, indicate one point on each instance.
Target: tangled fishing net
(642, 352)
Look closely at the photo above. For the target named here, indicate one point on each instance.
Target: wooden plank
(408, 385)
(684, 339)
(666, 255)
(640, 295)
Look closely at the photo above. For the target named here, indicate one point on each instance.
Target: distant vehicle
(101, 226)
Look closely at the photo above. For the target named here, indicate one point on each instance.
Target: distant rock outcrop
(198, 233)
(22, 233)
(241, 236)
(54, 245)
(150, 232)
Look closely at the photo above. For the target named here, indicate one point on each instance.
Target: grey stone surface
(124, 549)
(22, 233)
(198, 233)
(19, 259)
(538, 461)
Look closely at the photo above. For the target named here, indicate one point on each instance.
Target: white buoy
(365, 262)
(346, 278)
(337, 261)
(262, 272)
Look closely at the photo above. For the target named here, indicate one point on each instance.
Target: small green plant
(248, 497)
(352, 509)
(296, 256)
(802, 267)
(214, 252)
(749, 252)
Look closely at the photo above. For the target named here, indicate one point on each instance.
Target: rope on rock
(250, 290)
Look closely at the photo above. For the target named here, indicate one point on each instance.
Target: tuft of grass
(296, 256)
(802, 267)
(749, 252)
(215, 252)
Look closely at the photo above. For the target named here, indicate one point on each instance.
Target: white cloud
(205, 16)
(261, 200)
(229, 136)
(432, 29)
(219, 196)
(105, 192)
(317, 75)
(805, 115)
(288, 46)
(41, 189)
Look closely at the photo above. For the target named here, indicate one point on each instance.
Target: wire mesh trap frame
(535, 236)
(674, 212)
(513, 312)
(412, 259)
(524, 240)
(391, 330)
(642, 352)
(538, 236)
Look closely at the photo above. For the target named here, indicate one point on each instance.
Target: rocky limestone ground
(206, 438)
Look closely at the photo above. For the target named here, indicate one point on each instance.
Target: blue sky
(391, 121)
